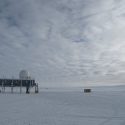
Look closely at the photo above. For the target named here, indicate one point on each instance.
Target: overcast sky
(63, 42)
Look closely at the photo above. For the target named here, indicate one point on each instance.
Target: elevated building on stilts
(24, 80)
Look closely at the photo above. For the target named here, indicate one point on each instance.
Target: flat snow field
(106, 107)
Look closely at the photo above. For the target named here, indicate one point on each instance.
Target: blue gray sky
(64, 42)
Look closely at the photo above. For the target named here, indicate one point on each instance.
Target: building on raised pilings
(24, 80)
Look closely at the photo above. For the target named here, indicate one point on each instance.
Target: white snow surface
(104, 106)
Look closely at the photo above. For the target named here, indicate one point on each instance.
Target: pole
(2, 86)
(27, 87)
(36, 88)
(21, 87)
(12, 87)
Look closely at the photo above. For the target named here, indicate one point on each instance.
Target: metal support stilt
(27, 90)
(21, 87)
(30, 85)
(12, 87)
(36, 88)
(2, 86)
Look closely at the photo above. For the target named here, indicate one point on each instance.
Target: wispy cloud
(63, 42)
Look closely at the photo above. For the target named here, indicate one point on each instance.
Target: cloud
(63, 42)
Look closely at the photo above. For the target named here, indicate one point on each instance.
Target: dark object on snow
(87, 90)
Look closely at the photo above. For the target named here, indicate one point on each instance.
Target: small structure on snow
(87, 90)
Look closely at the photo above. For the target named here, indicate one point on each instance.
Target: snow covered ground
(104, 106)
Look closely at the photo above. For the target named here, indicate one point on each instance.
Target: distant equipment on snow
(87, 90)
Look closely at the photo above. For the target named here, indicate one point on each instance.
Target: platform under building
(24, 81)
(18, 83)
